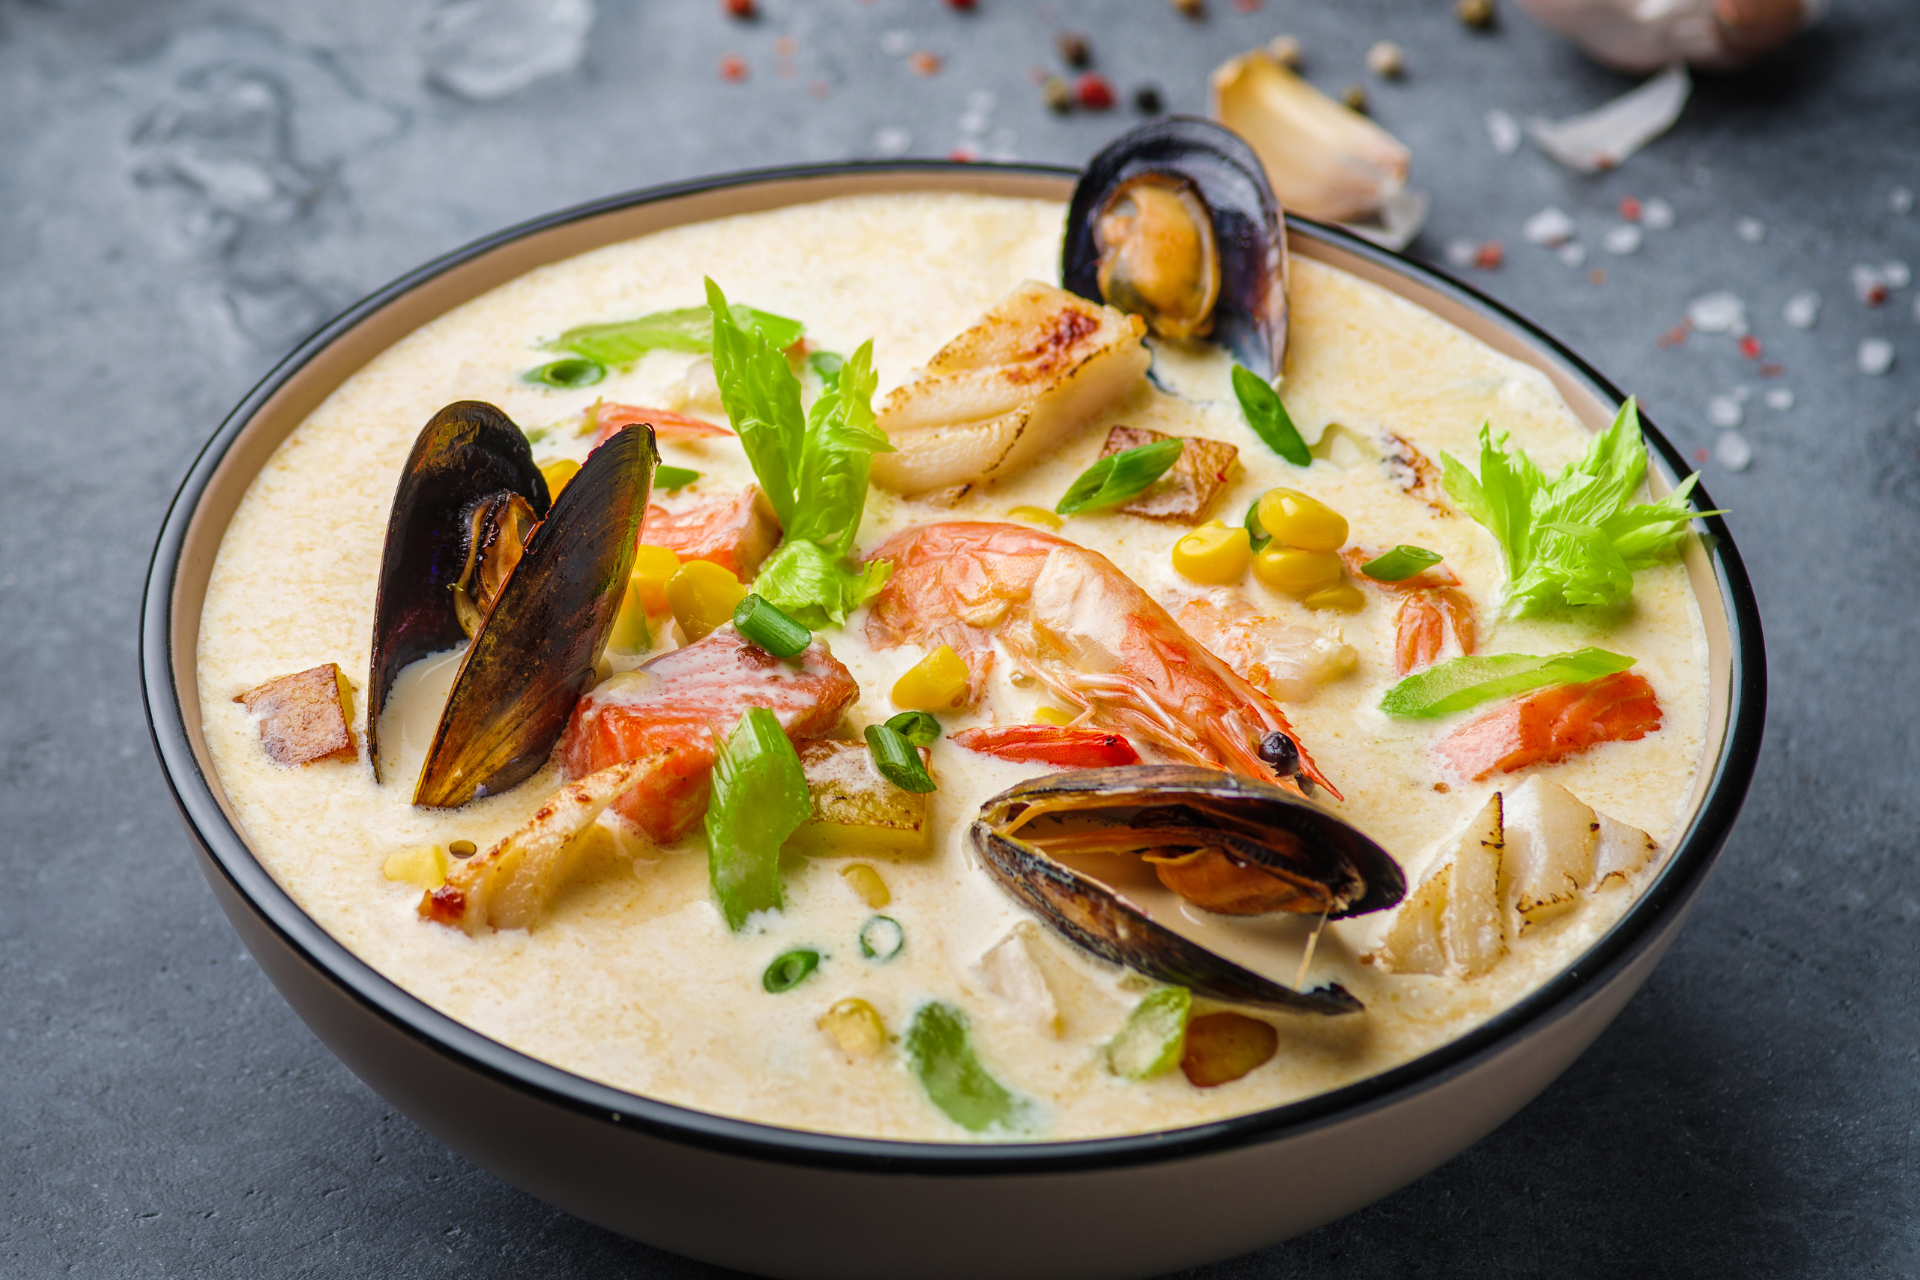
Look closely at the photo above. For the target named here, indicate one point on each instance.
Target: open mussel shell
(1188, 161)
(536, 652)
(1096, 917)
(468, 454)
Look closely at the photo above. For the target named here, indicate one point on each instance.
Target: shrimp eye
(1280, 751)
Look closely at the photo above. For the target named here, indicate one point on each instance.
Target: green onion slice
(897, 759)
(942, 1056)
(789, 970)
(1154, 1036)
(670, 478)
(1119, 477)
(566, 374)
(764, 625)
(1268, 416)
(1467, 682)
(1256, 530)
(881, 938)
(1400, 563)
(622, 342)
(827, 364)
(918, 727)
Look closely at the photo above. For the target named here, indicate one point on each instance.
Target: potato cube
(424, 865)
(303, 717)
(1189, 488)
(857, 812)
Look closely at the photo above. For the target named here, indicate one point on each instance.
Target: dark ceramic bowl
(789, 1203)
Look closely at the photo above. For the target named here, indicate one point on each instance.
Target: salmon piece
(668, 711)
(735, 533)
(1051, 744)
(1552, 724)
(666, 424)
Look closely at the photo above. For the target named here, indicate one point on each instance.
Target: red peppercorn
(1490, 255)
(964, 6)
(734, 68)
(739, 8)
(1629, 208)
(1093, 92)
(1750, 347)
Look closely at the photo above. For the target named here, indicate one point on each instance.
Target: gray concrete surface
(188, 186)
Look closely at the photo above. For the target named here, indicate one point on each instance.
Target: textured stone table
(189, 186)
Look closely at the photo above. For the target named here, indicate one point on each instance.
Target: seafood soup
(960, 668)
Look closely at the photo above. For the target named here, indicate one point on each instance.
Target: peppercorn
(1057, 95)
(1093, 92)
(1146, 100)
(1286, 51)
(1190, 8)
(1386, 60)
(743, 9)
(1354, 98)
(1074, 49)
(1474, 13)
(964, 6)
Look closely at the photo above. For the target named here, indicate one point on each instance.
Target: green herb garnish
(1256, 530)
(762, 624)
(1467, 682)
(827, 364)
(918, 727)
(897, 759)
(943, 1058)
(671, 478)
(1400, 563)
(759, 799)
(1577, 538)
(1268, 416)
(687, 329)
(1119, 477)
(812, 467)
(566, 374)
(881, 938)
(1154, 1036)
(789, 970)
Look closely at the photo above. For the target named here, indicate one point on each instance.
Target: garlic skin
(1644, 35)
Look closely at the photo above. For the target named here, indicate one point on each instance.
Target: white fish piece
(999, 396)
(1009, 970)
(1603, 138)
(1453, 922)
(1549, 837)
(1620, 853)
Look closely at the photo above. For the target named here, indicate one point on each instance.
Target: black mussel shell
(536, 652)
(468, 452)
(1250, 317)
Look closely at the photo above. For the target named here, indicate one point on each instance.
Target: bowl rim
(1624, 941)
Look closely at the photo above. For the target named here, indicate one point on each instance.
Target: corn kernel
(1301, 521)
(938, 682)
(629, 634)
(867, 883)
(856, 1027)
(1295, 571)
(1343, 596)
(424, 865)
(653, 568)
(702, 596)
(1213, 553)
(1053, 715)
(1036, 515)
(558, 473)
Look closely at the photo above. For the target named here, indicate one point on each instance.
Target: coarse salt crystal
(982, 100)
(896, 43)
(1656, 214)
(1572, 254)
(1460, 252)
(1550, 227)
(1900, 200)
(1897, 273)
(1721, 312)
(892, 141)
(1780, 398)
(1743, 393)
(1503, 131)
(1876, 356)
(1725, 411)
(1732, 451)
(1752, 230)
(1802, 309)
(1624, 238)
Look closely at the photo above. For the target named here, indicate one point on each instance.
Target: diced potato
(1009, 970)
(1549, 858)
(1453, 921)
(1620, 853)
(1188, 490)
(304, 716)
(510, 885)
(857, 812)
(856, 1027)
(424, 865)
(1222, 1047)
(1008, 390)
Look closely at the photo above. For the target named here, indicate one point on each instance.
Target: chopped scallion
(1256, 530)
(881, 938)
(566, 374)
(897, 759)
(790, 970)
(918, 727)
(1400, 563)
(671, 478)
(943, 1058)
(1268, 416)
(1119, 477)
(1153, 1037)
(622, 342)
(772, 630)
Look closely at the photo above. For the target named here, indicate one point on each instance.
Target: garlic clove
(1602, 138)
(1636, 36)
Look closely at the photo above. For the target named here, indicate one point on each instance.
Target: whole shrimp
(1087, 632)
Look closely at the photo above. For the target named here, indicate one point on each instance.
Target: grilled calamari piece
(1189, 488)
